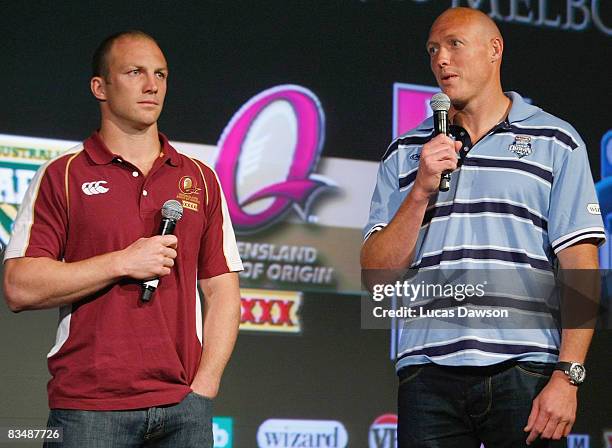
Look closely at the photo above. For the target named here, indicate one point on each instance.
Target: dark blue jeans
(462, 407)
(186, 424)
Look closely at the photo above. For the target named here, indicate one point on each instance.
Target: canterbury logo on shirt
(91, 188)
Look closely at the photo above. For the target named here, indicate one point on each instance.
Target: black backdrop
(221, 54)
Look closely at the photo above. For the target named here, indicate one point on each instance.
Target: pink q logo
(267, 154)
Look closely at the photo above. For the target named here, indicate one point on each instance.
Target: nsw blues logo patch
(521, 146)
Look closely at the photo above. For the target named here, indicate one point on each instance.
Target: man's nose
(442, 58)
(151, 84)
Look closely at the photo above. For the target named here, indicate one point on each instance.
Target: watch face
(577, 373)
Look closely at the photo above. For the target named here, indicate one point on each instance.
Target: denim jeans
(185, 424)
(462, 407)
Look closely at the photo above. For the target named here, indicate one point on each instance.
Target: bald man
(513, 205)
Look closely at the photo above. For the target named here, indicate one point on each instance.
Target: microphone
(171, 211)
(440, 104)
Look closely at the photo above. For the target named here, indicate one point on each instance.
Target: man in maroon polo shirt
(127, 372)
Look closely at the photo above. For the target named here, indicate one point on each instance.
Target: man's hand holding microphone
(438, 156)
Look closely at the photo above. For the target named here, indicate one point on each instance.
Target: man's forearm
(581, 283)
(393, 246)
(575, 344)
(34, 283)
(221, 321)
(37, 283)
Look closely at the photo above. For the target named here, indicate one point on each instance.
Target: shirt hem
(119, 404)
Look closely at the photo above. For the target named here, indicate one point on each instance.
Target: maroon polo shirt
(113, 351)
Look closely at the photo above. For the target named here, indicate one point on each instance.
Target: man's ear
(97, 84)
(497, 48)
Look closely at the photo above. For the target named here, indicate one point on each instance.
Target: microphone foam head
(440, 101)
(172, 209)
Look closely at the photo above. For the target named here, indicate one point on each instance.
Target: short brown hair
(99, 62)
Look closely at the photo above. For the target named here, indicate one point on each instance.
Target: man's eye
(455, 43)
(432, 50)
(134, 72)
(161, 75)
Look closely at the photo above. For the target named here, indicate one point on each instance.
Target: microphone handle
(441, 127)
(166, 227)
(445, 181)
(148, 290)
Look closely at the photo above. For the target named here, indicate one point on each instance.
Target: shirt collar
(101, 155)
(519, 111)
(168, 150)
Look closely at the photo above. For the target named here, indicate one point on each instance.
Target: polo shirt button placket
(143, 192)
(142, 203)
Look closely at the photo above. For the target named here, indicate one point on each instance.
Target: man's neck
(139, 147)
(482, 114)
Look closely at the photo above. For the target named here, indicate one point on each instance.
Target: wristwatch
(575, 371)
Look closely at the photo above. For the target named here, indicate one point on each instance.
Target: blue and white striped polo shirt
(521, 194)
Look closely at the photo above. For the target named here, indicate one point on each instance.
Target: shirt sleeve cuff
(234, 266)
(565, 241)
(374, 228)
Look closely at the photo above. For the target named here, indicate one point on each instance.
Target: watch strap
(564, 366)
